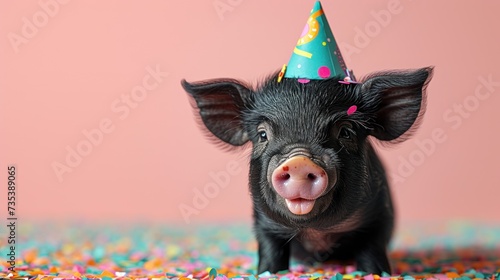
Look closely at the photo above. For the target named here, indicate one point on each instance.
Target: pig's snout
(300, 182)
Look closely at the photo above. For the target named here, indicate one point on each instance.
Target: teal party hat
(316, 55)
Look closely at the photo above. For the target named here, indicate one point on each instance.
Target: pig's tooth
(299, 206)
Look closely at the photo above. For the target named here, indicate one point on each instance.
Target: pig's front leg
(373, 260)
(274, 253)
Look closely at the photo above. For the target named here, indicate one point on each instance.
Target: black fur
(354, 218)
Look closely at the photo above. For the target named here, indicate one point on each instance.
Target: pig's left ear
(398, 99)
(220, 104)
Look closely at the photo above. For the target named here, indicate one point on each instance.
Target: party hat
(316, 55)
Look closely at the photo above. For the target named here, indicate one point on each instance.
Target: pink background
(70, 63)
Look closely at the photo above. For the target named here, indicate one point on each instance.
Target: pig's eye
(262, 136)
(345, 131)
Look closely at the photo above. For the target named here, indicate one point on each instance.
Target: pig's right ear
(397, 99)
(220, 104)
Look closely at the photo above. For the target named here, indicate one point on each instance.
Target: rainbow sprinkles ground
(444, 251)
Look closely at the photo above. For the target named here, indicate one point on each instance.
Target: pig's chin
(300, 206)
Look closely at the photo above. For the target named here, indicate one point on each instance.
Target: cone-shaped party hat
(316, 55)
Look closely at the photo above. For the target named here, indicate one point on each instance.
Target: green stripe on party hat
(316, 55)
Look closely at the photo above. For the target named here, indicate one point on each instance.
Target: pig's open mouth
(300, 206)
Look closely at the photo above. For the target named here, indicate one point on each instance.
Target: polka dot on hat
(324, 72)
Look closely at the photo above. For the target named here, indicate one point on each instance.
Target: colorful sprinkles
(352, 110)
(438, 252)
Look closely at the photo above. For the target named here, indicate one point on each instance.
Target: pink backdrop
(94, 118)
